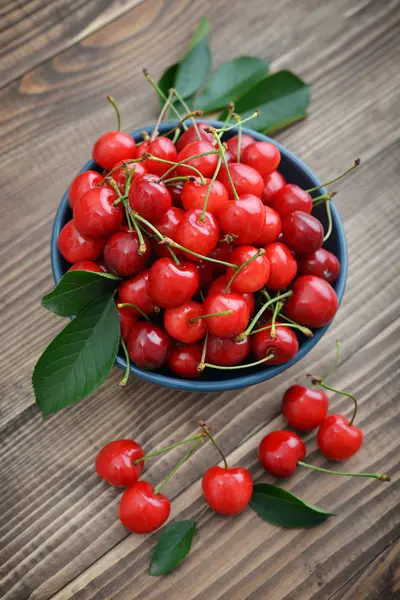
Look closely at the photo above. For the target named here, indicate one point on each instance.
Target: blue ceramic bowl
(212, 380)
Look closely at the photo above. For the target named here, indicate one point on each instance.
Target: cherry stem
(259, 252)
(142, 245)
(181, 178)
(158, 234)
(317, 187)
(161, 116)
(178, 465)
(326, 196)
(254, 115)
(202, 365)
(320, 383)
(176, 135)
(239, 135)
(260, 312)
(329, 215)
(383, 477)
(125, 163)
(182, 162)
(189, 115)
(186, 107)
(214, 177)
(231, 108)
(304, 330)
(193, 438)
(222, 155)
(204, 350)
(223, 313)
(125, 304)
(124, 381)
(114, 104)
(207, 431)
(337, 361)
(162, 95)
(301, 328)
(174, 244)
(277, 309)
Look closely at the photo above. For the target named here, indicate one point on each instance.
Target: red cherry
(177, 322)
(280, 451)
(227, 491)
(304, 408)
(95, 215)
(148, 345)
(141, 510)
(81, 184)
(283, 346)
(170, 284)
(227, 352)
(164, 148)
(115, 463)
(190, 136)
(273, 183)
(120, 174)
(229, 158)
(206, 274)
(205, 164)
(313, 303)
(121, 253)
(222, 251)
(272, 228)
(194, 193)
(283, 266)
(233, 144)
(136, 291)
(321, 263)
(243, 218)
(254, 275)
(149, 197)
(73, 246)
(291, 198)
(218, 286)
(245, 179)
(127, 317)
(142, 148)
(183, 360)
(302, 232)
(112, 147)
(264, 157)
(196, 234)
(226, 326)
(337, 439)
(86, 265)
(167, 227)
(176, 194)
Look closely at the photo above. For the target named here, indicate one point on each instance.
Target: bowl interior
(294, 171)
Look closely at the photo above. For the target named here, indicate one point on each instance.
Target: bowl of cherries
(231, 255)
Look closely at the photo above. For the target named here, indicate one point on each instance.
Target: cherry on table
(148, 345)
(304, 408)
(243, 218)
(273, 184)
(302, 232)
(112, 147)
(253, 276)
(141, 510)
(321, 263)
(95, 214)
(205, 164)
(218, 286)
(122, 170)
(121, 253)
(194, 194)
(227, 491)
(81, 184)
(284, 346)
(272, 228)
(86, 265)
(313, 303)
(170, 284)
(264, 157)
(164, 148)
(115, 463)
(226, 326)
(227, 352)
(75, 247)
(127, 318)
(136, 291)
(179, 324)
(184, 359)
(190, 135)
(283, 266)
(149, 197)
(233, 144)
(280, 451)
(337, 439)
(196, 233)
(245, 179)
(290, 198)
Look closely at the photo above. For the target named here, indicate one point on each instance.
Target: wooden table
(60, 537)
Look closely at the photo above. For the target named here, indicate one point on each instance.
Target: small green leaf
(77, 290)
(282, 99)
(230, 81)
(172, 547)
(193, 69)
(167, 81)
(282, 508)
(79, 358)
(199, 33)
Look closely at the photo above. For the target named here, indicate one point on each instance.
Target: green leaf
(199, 33)
(282, 99)
(172, 547)
(230, 81)
(282, 508)
(167, 81)
(79, 358)
(77, 290)
(193, 69)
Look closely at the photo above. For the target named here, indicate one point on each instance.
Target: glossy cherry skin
(273, 184)
(167, 226)
(81, 184)
(218, 286)
(127, 318)
(314, 302)
(136, 291)
(264, 157)
(283, 266)
(95, 215)
(141, 510)
(243, 218)
(184, 359)
(196, 234)
(115, 463)
(148, 345)
(149, 197)
(304, 408)
(280, 451)
(120, 175)
(222, 251)
(205, 164)
(142, 148)
(177, 322)
(121, 253)
(194, 193)
(321, 263)
(253, 276)
(172, 285)
(206, 273)
(73, 246)
(337, 439)
(227, 491)
(302, 232)
(227, 352)
(245, 179)
(190, 136)
(112, 147)
(176, 194)
(226, 326)
(233, 144)
(284, 346)
(86, 265)
(291, 198)
(164, 148)
(272, 228)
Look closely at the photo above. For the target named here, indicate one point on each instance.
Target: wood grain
(58, 529)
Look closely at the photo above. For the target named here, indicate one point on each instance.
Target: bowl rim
(242, 380)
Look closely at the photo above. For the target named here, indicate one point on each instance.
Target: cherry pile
(220, 258)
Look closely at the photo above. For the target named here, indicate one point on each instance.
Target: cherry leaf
(193, 69)
(172, 547)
